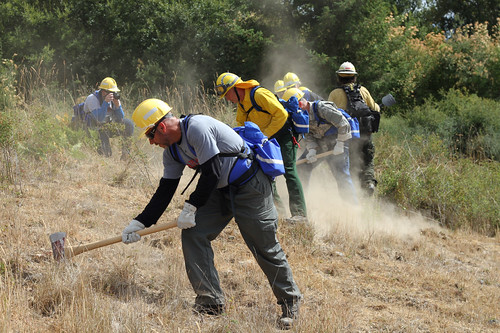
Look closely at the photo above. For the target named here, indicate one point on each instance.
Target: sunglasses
(151, 134)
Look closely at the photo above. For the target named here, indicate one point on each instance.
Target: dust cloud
(290, 58)
(329, 212)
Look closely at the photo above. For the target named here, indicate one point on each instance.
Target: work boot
(209, 309)
(370, 189)
(289, 316)
(296, 219)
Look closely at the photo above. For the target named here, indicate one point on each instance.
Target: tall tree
(451, 14)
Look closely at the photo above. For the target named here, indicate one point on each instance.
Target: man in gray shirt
(105, 113)
(230, 185)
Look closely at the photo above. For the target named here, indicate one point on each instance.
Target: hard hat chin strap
(237, 95)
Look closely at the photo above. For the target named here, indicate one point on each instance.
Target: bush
(418, 172)
(468, 125)
(7, 84)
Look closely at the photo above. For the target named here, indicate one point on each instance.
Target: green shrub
(8, 96)
(469, 125)
(418, 172)
(5, 130)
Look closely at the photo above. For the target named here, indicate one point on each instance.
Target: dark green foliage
(467, 124)
(158, 42)
(5, 130)
(451, 14)
(7, 84)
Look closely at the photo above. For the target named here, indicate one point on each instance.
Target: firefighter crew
(205, 143)
(273, 121)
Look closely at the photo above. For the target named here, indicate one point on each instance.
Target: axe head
(57, 241)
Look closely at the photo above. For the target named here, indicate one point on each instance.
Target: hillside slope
(369, 270)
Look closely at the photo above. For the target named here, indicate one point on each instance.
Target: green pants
(297, 202)
(253, 210)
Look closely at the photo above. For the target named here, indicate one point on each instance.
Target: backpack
(300, 118)
(82, 119)
(257, 146)
(267, 151)
(355, 133)
(368, 120)
(78, 119)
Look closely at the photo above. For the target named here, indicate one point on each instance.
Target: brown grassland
(370, 270)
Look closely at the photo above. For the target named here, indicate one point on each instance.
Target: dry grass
(360, 271)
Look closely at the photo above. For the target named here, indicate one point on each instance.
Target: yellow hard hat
(147, 114)
(279, 86)
(291, 79)
(346, 69)
(109, 84)
(226, 81)
(293, 92)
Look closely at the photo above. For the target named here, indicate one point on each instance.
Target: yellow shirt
(270, 121)
(339, 97)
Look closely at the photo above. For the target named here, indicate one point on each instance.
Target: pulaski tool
(58, 239)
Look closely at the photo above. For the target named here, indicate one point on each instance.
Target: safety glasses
(151, 133)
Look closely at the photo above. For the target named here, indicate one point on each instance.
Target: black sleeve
(159, 202)
(210, 174)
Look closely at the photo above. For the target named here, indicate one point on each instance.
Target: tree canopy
(410, 48)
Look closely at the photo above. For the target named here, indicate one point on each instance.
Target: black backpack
(369, 120)
(356, 105)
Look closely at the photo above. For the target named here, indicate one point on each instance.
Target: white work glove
(339, 148)
(311, 156)
(186, 218)
(129, 234)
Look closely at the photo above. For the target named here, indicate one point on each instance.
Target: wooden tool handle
(304, 160)
(73, 251)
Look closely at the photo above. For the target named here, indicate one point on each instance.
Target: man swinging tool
(329, 130)
(230, 185)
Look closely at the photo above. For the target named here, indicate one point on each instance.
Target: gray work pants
(256, 217)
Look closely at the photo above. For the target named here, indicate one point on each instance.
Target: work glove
(186, 218)
(339, 148)
(129, 234)
(311, 156)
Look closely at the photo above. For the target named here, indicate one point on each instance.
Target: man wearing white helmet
(104, 111)
(363, 107)
(231, 185)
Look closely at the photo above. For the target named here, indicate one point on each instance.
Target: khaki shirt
(339, 97)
